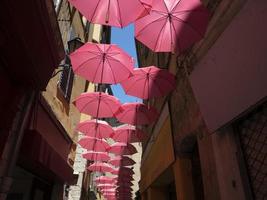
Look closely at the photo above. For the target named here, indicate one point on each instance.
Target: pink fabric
(125, 178)
(122, 149)
(97, 104)
(123, 171)
(100, 167)
(147, 4)
(175, 24)
(127, 133)
(95, 128)
(96, 156)
(136, 114)
(149, 82)
(125, 183)
(118, 13)
(121, 161)
(105, 179)
(102, 63)
(95, 144)
(106, 186)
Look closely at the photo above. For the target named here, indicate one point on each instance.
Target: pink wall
(232, 77)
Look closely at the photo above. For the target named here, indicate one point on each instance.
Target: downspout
(11, 150)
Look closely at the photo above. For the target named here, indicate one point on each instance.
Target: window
(66, 81)
(67, 75)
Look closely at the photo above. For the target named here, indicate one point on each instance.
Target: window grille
(66, 82)
(253, 138)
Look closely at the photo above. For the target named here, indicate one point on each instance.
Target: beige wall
(65, 111)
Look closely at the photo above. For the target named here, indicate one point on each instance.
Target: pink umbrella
(125, 178)
(109, 191)
(147, 4)
(136, 114)
(123, 171)
(149, 82)
(122, 148)
(96, 156)
(121, 161)
(105, 179)
(175, 25)
(100, 167)
(95, 128)
(106, 186)
(95, 144)
(118, 13)
(102, 63)
(124, 188)
(125, 183)
(127, 133)
(97, 104)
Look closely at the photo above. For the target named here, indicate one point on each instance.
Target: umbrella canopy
(95, 144)
(100, 167)
(105, 179)
(149, 82)
(106, 186)
(175, 25)
(127, 133)
(97, 104)
(121, 161)
(122, 149)
(95, 128)
(117, 13)
(125, 178)
(123, 171)
(102, 63)
(147, 4)
(136, 114)
(125, 183)
(96, 156)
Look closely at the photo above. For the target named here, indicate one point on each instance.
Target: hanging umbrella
(102, 63)
(147, 4)
(125, 178)
(95, 144)
(117, 13)
(124, 188)
(149, 82)
(100, 167)
(175, 25)
(122, 149)
(125, 183)
(127, 133)
(105, 179)
(95, 128)
(97, 104)
(123, 171)
(121, 161)
(96, 156)
(106, 186)
(136, 114)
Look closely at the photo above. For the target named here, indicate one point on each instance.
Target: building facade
(38, 139)
(210, 139)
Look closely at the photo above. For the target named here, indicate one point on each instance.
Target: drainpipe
(12, 146)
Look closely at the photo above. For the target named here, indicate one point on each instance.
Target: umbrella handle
(107, 15)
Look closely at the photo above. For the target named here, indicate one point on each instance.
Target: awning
(39, 157)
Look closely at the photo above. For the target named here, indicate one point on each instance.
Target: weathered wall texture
(216, 153)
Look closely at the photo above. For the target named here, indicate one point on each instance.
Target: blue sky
(124, 38)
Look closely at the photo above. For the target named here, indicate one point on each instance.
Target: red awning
(37, 155)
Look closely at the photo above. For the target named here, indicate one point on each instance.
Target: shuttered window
(66, 81)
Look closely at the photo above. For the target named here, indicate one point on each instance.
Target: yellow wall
(65, 111)
(160, 157)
